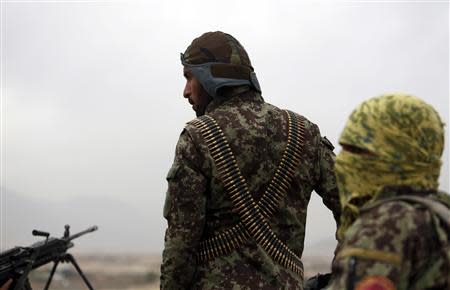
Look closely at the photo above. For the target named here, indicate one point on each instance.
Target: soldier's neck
(245, 95)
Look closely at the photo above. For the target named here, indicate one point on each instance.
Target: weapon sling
(253, 216)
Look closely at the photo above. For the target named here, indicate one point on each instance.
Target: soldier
(395, 224)
(241, 180)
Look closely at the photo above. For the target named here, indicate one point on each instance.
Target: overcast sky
(92, 101)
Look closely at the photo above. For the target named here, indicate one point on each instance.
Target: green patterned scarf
(405, 137)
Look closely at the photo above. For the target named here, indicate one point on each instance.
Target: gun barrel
(89, 230)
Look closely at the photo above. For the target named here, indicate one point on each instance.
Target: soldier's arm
(383, 248)
(326, 184)
(184, 210)
(6, 285)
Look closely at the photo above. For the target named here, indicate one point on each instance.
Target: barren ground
(126, 272)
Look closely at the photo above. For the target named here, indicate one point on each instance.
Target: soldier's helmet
(218, 60)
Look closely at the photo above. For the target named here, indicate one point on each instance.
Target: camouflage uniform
(394, 223)
(196, 206)
(397, 240)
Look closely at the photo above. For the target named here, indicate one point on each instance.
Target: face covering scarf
(405, 138)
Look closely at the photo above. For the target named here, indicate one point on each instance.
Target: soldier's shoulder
(378, 221)
(189, 135)
(308, 124)
(389, 207)
(192, 124)
(395, 212)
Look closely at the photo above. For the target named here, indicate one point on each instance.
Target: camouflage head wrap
(405, 137)
(218, 60)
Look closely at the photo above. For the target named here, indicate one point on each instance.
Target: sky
(92, 106)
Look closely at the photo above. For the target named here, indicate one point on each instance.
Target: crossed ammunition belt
(253, 216)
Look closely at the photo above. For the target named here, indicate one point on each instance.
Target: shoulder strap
(253, 215)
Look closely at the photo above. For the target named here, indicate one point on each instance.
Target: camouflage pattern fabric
(217, 47)
(197, 207)
(392, 147)
(219, 62)
(405, 137)
(397, 240)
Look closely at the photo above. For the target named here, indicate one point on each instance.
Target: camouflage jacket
(394, 244)
(197, 207)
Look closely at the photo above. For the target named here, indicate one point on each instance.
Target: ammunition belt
(253, 216)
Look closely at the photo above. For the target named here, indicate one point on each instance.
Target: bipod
(68, 258)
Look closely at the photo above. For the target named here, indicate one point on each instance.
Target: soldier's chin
(199, 110)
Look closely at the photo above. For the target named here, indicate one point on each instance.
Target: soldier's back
(257, 133)
(394, 243)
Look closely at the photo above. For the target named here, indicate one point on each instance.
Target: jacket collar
(235, 100)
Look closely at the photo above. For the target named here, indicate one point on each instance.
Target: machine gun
(318, 282)
(18, 262)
